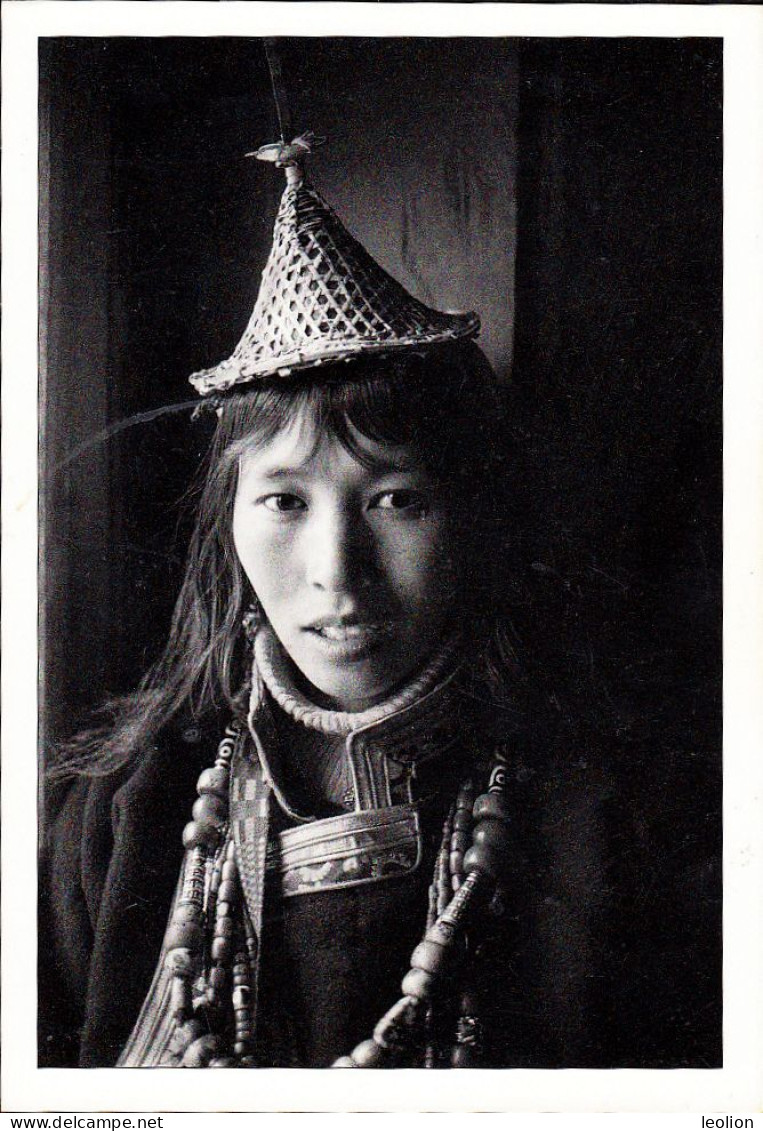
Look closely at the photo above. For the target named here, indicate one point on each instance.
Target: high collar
(385, 745)
(276, 671)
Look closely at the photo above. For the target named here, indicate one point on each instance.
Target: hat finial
(290, 155)
(323, 297)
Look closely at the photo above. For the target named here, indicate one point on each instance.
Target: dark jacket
(573, 976)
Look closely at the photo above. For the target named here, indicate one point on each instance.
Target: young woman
(304, 841)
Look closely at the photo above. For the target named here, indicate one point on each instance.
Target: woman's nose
(338, 554)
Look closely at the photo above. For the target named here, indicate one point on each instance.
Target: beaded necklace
(211, 948)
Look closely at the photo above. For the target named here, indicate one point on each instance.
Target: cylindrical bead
(227, 892)
(221, 949)
(459, 841)
(491, 805)
(462, 820)
(464, 1056)
(186, 913)
(214, 780)
(241, 997)
(218, 977)
(180, 999)
(419, 983)
(368, 1054)
(184, 936)
(229, 870)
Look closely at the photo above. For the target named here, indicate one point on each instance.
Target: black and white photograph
(380, 637)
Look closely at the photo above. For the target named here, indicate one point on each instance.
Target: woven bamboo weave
(324, 298)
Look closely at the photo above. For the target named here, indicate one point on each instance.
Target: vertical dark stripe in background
(617, 393)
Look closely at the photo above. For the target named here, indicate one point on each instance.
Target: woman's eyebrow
(377, 467)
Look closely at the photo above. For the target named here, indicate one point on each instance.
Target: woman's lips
(348, 641)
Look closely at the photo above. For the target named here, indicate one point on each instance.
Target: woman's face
(353, 563)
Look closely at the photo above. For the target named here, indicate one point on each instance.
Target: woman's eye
(402, 500)
(283, 504)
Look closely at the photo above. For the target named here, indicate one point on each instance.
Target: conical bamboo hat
(323, 297)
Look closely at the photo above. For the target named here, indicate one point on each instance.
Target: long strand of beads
(445, 890)
(459, 841)
(221, 951)
(439, 896)
(185, 936)
(242, 1007)
(491, 845)
(484, 867)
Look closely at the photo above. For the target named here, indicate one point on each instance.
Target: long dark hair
(445, 402)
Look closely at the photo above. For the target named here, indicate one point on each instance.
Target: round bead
(180, 961)
(240, 1048)
(429, 956)
(482, 859)
(182, 936)
(210, 810)
(368, 1055)
(394, 1029)
(200, 1052)
(196, 835)
(247, 1061)
(493, 834)
(221, 949)
(223, 910)
(491, 805)
(222, 1062)
(419, 983)
(185, 1034)
(344, 1062)
(214, 780)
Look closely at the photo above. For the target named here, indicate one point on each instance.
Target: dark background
(570, 191)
